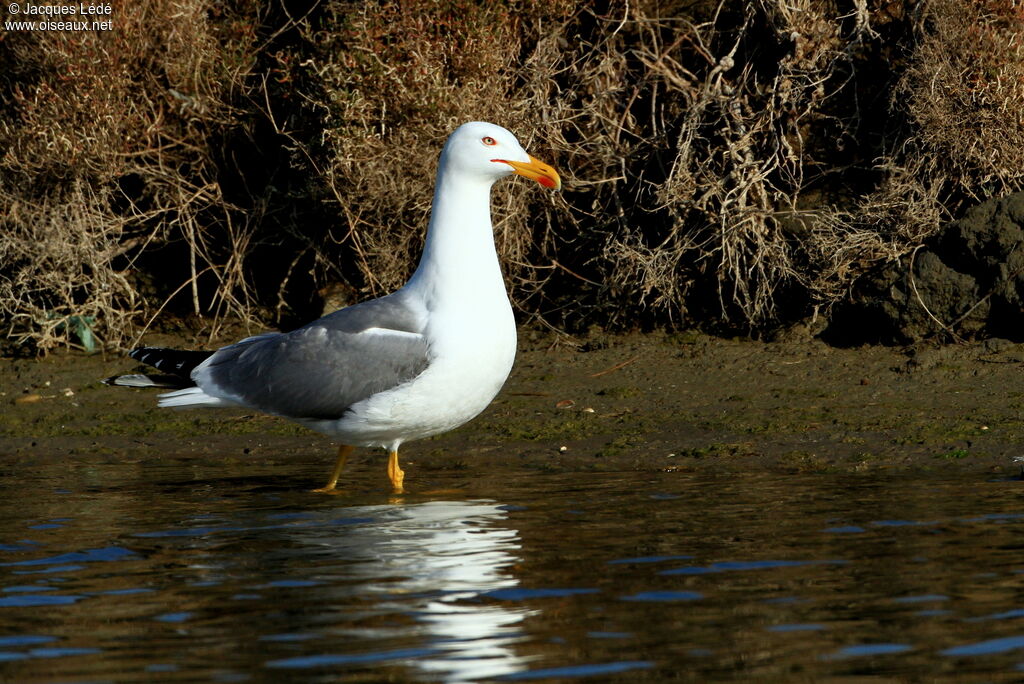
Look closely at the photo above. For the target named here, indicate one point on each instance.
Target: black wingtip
(177, 362)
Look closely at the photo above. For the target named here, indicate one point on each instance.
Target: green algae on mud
(636, 402)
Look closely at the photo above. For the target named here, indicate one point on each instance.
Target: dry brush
(735, 165)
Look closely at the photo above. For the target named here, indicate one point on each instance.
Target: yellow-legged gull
(420, 361)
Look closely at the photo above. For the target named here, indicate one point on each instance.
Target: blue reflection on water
(174, 617)
(38, 600)
(329, 660)
(44, 652)
(990, 647)
(862, 650)
(522, 594)
(657, 596)
(925, 598)
(647, 559)
(730, 566)
(579, 670)
(25, 640)
(1005, 615)
(797, 627)
(107, 554)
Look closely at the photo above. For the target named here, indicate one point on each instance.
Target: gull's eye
(488, 140)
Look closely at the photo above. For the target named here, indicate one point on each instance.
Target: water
(192, 571)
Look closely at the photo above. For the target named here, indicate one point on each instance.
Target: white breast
(471, 359)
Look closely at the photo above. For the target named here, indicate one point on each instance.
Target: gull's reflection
(428, 561)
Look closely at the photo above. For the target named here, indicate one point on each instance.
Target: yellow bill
(535, 170)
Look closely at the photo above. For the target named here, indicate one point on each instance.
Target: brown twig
(616, 367)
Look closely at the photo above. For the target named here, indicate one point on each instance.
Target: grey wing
(320, 370)
(393, 312)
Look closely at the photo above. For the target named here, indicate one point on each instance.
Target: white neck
(459, 261)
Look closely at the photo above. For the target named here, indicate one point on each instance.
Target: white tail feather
(190, 397)
(139, 380)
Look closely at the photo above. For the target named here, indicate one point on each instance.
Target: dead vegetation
(729, 164)
(109, 143)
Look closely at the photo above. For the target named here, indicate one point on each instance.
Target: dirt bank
(648, 402)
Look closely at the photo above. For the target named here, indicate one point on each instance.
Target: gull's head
(492, 152)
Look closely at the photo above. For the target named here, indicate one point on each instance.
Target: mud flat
(683, 402)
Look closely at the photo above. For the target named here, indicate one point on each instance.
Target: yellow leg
(395, 474)
(343, 452)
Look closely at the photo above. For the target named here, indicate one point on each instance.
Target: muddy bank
(964, 282)
(683, 402)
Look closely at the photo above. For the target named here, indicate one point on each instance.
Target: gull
(418, 362)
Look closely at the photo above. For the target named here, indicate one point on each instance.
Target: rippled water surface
(226, 572)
